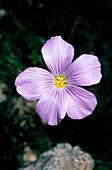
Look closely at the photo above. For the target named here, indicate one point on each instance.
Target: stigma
(60, 81)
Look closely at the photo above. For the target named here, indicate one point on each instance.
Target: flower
(58, 90)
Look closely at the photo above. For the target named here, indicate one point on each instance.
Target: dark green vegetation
(24, 27)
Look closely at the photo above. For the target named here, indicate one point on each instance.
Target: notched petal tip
(85, 70)
(81, 103)
(50, 123)
(52, 107)
(96, 69)
(100, 71)
(57, 54)
(33, 82)
(48, 112)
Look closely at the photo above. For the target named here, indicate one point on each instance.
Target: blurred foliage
(25, 25)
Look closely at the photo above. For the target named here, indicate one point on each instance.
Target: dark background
(25, 25)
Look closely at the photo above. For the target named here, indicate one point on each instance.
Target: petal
(52, 108)
(81, 102)
(57, 54)
(33, 82)
(84, 71)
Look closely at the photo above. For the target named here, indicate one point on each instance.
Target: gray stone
(63, 157)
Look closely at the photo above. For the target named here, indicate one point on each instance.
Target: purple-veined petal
(81, 102)
(57, 54)
(52, 107)
(33, 83)
(84, 71)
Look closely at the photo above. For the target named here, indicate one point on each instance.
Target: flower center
(60, 81)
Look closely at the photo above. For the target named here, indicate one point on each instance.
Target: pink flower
(59, 90)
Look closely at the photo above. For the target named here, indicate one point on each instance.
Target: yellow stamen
(60, 81)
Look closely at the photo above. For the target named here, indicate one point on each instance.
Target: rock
(63, 157)
(29, 156)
